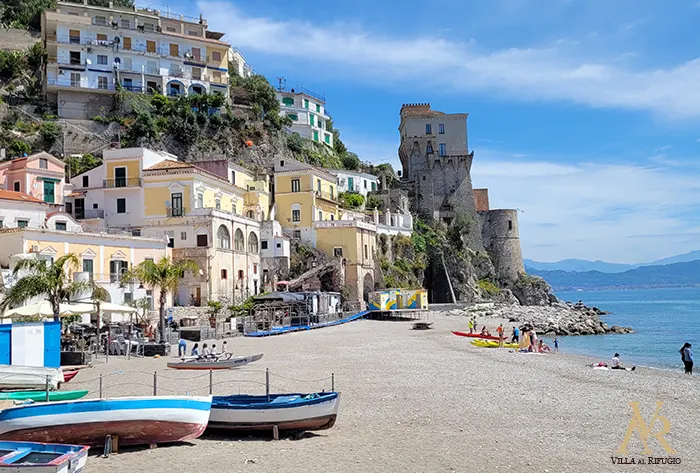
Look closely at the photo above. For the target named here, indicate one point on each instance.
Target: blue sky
(584, 114)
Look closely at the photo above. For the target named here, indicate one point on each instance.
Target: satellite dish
(167, 204)
(88, 61)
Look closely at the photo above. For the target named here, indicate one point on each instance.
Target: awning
(76, 194)
(49, 179)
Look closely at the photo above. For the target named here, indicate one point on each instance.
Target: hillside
(579, 265)
(670, 275)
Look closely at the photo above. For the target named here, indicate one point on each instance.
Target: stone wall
(17, 40)
(83, 105)
(502, 241)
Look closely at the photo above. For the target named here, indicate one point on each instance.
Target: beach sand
(419, 401)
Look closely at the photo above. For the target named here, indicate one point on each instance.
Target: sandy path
(421, 401)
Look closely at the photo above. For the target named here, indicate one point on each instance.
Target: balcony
(88, 214)
(121, 182)
(176, 212)
(132, 88)
(67, 82)
(326, 195)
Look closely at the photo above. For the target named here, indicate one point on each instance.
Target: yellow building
(200, 214)
(304, 195)
(104, 257)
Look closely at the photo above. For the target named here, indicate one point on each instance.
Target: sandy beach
(419, 401)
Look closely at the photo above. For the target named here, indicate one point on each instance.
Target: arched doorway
(367, 286)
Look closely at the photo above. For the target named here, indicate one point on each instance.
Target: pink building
(39, 175)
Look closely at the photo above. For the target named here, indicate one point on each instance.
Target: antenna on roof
(281, 81)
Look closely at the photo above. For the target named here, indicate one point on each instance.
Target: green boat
(39, 396)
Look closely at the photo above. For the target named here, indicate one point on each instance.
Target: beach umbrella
(121, 309)
(43, 309)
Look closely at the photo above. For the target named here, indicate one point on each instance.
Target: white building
(237, 61)
(355, 181)
(308, 113)
(274, 253)
(91, 49)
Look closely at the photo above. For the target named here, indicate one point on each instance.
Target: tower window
(510, 224)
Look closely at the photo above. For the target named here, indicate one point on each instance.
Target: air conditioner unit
(89, 50)
(35, 248)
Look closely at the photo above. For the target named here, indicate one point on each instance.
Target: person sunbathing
(485, 331)
(543, 347)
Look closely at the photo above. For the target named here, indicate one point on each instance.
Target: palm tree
(164, 275)
(52, 281)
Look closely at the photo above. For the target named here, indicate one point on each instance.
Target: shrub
(50, 133)
(351, 201)
(19, 148)
(373, 202)
(350, 161)
(489, 287)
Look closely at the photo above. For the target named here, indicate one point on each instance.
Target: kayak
(492, 344)
(476, 335)
(39, 396)
(68, 375)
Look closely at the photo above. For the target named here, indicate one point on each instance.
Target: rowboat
(135, 420)
(68, 375)
(315, 411)
(39, 396)
(219, 363)
(29, 377)
(31, 457)
(476, 335)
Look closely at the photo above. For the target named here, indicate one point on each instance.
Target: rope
(301, 380)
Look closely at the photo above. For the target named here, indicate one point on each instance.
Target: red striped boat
(476, 335)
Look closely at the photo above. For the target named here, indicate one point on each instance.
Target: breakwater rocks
(559, 318)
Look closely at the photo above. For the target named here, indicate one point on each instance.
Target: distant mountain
(684, 258)
(581, 265)
(669, 275)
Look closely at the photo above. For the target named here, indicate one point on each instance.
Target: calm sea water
(663, 319)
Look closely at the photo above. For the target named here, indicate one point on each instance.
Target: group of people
(687, 357)
(206, 351)
(534, 344)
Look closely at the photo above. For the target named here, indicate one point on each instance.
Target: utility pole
(281, 81)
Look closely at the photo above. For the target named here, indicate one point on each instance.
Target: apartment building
(237, 62)
(355, 181)
(308, 113)
(201, 216)
(39, 175)
(92, 48)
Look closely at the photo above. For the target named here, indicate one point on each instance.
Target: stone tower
(436, 162)
(499, 230)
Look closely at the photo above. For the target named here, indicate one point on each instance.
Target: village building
(355, 181)
(93, 49)
(307, 111)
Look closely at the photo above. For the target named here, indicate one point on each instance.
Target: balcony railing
(121, 182)
(67, 82)
(175, 212)
(132, 88)
(326, 195)
(88, 214)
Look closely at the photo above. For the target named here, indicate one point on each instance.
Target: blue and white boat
(135, 420)
(31, 457)
(315, 411)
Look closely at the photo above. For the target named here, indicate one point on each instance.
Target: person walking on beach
(556, 345)
(471, 326)
(516, 335)
(687, 357)
(182, 348)
(499, 330)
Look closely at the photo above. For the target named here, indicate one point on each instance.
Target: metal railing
(132, 88)
(175, 212)
(326, 195)
(302, 90)
(88, 214)
(67, 82)
(121, 182)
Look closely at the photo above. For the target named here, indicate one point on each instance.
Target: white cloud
(622, 213)
(554, 73)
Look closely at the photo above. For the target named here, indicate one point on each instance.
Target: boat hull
(68, 375)
(137, 421)
(476, 335)
(319, 415)
(26, 457)
(29, 377)
(215, 365)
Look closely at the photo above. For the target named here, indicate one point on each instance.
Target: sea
(663, 320)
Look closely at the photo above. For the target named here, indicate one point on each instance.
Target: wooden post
(332, 382)
(100, 385)
(275, 432)
(108, 446)
(211, 382)
(48, 378)
(267, 383)
(115, 444)
(155, 383)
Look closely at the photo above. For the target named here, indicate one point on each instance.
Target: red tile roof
(18, 196)
(169, 164)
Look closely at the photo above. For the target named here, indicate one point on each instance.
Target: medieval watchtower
(436, 161)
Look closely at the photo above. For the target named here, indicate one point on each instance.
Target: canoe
(68, 375)
(29, 377)
(40, 396)
(34, 457)
(290, 412)
(476, 335)
(492, 344)
(136, 420)
(192, 363)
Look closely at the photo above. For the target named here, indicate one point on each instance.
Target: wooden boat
(136, 420)
(31, 457)
(476, 335)
(40, 396)
(315, 411)
(68, 375)
(29, 377)
(218, 363)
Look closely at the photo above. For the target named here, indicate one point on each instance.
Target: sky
(583, 114)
